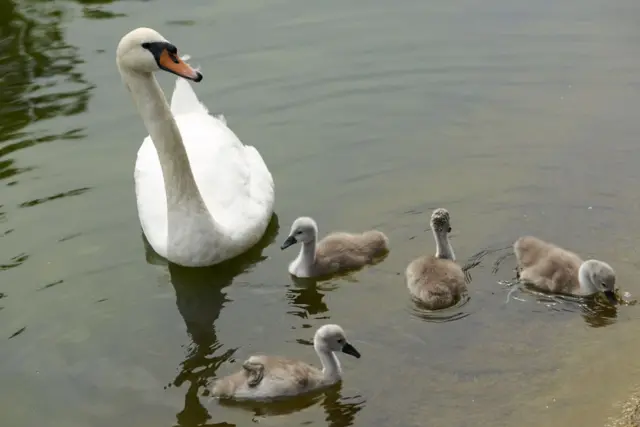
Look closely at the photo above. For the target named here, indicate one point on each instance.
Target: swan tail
(184, 100)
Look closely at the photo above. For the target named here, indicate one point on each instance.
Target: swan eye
(146, 45)
(299, 232)
(340, 341)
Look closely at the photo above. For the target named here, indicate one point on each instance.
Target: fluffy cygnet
(436, 280)
(269, 377)
(554, 269)
(335, 253)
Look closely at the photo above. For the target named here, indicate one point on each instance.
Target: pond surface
(518, 117)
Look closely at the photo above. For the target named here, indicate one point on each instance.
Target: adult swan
(203, 197)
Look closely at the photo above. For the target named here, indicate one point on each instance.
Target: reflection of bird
(340, 411)
(203, 197)
(336, 252)
(436, 280)
(306, 297)
(553, 269)
(267, 377)
(200, 299)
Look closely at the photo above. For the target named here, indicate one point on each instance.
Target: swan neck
(331, 369)
(151, 103)
(443, 246)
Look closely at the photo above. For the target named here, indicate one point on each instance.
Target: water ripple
(70, 193)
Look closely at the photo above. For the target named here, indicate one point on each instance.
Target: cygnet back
(349, 250)
(551, 268)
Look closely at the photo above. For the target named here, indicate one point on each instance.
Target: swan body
(554, 269)
(335, 253)
(203, 197)
(437, 281)
(270, 377)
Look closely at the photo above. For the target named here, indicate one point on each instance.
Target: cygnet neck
(443, 247)
(331, 369)
(587, 287)
(307, 255)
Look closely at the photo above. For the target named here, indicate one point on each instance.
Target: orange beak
(172, 63)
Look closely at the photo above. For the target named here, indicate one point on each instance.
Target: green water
(518, 117)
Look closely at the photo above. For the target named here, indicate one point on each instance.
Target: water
(518, 117)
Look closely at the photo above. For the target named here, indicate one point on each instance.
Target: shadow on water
(200, 300)
(595, 311)
(340, 411)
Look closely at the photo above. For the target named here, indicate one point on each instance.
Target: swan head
(303, 230)
(144, 50)
(333, 338)
(440, 221)
(598, 276)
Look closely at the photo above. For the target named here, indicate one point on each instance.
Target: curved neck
(307, 255)
(331, 370)
(587, 287)
(179, 182)
(443, 247)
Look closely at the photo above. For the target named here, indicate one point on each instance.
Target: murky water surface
(519, 117)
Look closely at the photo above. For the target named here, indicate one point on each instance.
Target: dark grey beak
(611, 297)
(351, 350)
(290, 241)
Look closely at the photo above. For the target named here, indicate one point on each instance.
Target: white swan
(270, 377)
(203, 197)
(554, 269)
(436, 280)
(337, 252)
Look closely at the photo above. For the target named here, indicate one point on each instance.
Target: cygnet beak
(351, 350)
(611, 297)
(291, 240)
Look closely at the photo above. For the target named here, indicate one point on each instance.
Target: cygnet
(436, 280)
(554, 269)
(337, 252)
(271, 377)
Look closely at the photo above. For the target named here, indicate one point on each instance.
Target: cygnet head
(601, 277)
(440, 221)
(303, 230)
(144, 50)
(333, 338)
